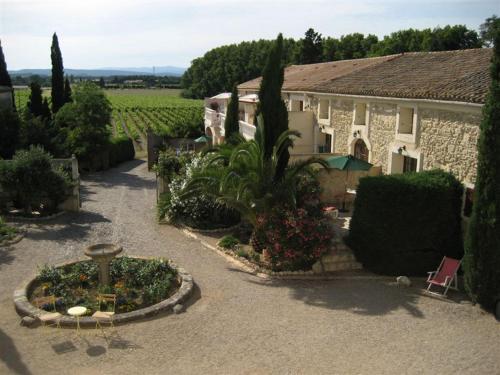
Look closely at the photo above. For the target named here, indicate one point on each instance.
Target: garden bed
(9, 235)
(144, 286)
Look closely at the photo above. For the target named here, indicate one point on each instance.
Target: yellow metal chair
(105, 317)
(46, 317)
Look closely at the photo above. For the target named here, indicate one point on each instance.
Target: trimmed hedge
(120, 149)
(404, 224)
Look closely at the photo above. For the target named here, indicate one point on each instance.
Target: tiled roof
(461, 75)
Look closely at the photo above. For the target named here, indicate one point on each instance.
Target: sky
(145, 33)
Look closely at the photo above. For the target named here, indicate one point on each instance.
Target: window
(360, 114)
(324, 109)
(409, 164)
(297, 105)
(406, 120)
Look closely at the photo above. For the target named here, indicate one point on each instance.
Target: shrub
(228, 242)
(294, 238)
(168, 165)
(31, 179)
(10, 125)
(201, 211)
(404, 224)
(120, 149)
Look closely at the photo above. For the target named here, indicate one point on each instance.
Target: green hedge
(404, 224)
(120, 149)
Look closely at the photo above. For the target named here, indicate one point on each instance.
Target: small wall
(303, 122)
(333, 183)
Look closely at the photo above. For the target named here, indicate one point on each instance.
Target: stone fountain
(103, 254)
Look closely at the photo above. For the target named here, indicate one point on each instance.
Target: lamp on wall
(401, 149)
(356, 134)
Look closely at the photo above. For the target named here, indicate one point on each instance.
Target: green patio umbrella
(347, 163)
(203, 139)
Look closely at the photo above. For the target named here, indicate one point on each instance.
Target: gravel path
(235, 323)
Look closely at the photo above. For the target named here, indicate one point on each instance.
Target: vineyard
(136, 110)
(162, 111)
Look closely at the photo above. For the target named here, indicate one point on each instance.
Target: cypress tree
(35, 101)
(4, 75)
(57, 93)
(46, 114)
(67, 91)
(271, 106)
(482, 245)
(232, 122)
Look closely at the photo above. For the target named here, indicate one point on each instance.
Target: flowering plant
(294, 238)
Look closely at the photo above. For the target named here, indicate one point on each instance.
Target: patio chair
(52, 315)
(444, 276)
(105, 317)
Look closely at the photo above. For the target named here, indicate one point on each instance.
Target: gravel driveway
(235, 323)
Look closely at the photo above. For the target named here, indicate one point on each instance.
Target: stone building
(405, 112)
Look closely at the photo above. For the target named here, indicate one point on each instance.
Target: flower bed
(137, 283)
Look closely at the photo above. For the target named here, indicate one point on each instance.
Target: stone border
(12, 241)
(210, 231)
(25, 308)
(264, 273)
(22, 219)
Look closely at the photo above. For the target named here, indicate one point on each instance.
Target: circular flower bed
(137, 283)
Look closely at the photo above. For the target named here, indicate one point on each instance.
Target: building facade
(406, 112)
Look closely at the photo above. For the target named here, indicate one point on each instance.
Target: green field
(21, 98)
(162, 110)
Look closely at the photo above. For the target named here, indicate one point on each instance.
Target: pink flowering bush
(294, 238)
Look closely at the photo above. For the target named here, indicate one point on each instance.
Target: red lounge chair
(445, 275)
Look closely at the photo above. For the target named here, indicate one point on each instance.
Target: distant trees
(232, 122)
(482, 245)
(57, 92)
(310, 49)
(272, 108)
(223, 67)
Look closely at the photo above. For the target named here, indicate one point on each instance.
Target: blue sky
(127, 33)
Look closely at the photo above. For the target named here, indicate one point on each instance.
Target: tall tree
(4, 75)
(310, 48)
(487, 30)
(57, 92)
(271, 105)
(35, 101)
(232, 122)
(67, 91)
(482, 245)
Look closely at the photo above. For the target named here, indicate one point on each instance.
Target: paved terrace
(235, 323)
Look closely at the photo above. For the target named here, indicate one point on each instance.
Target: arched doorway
(360, 150)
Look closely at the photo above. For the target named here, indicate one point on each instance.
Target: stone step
(336, 257)
(341, 266)
(320, 267)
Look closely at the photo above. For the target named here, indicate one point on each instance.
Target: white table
(77, 312)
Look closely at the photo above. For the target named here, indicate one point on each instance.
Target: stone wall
(341, 120)
(448, 141)
(382, 132)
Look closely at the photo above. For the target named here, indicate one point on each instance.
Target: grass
(6, 232)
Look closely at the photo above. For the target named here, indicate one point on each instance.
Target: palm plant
(247, 180)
